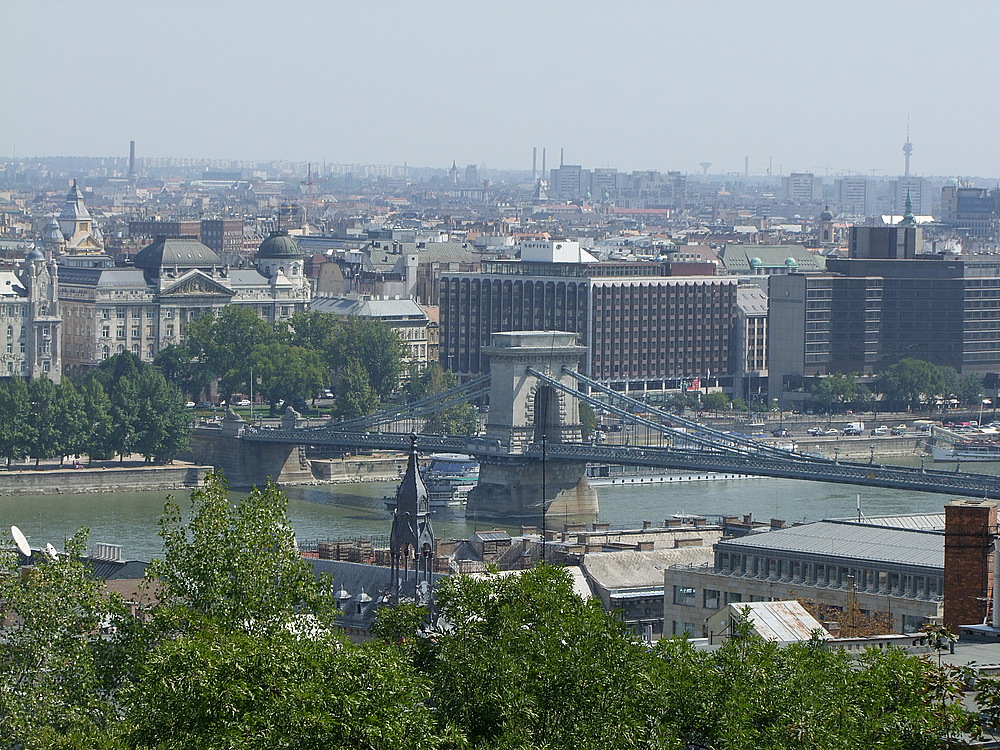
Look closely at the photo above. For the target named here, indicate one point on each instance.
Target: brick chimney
(968, 560)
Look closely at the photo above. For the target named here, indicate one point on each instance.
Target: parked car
(830, 431)
(880, 430)
(899, 429)
(243, 402)
(815, 431)
(189, 404)
(780, 432)
(206, 405)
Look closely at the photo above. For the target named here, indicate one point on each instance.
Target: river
(130, 519)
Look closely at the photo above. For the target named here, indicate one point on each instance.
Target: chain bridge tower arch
(523, 413)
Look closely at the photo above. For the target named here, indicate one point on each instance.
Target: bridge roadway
(811, 469)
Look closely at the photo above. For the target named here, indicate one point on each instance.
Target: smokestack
(544, 176)
(561, 162)
(534, 162)
(746, 166)
(131, 157)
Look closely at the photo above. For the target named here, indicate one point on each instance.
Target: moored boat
(448, 477)
(967, 450)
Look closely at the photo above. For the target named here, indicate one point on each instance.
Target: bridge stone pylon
(522, 411)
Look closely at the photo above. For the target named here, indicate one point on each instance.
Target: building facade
(643, 328)
(897, 570)
(143, 308)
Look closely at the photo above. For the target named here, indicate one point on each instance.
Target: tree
(460, 419)
(375, 346)
(237, 565)
(98, 436)
(281, 689)
(162, 428)
(310, 330)
(911, 380)
(47, 435)
(837, 388)
(56, 664)
(183, 370)
(287, 372)
(71, 417)
(224, 344)
(715, 401)
(969, 389)
(355, 395)
(15, 428)
(526, 663)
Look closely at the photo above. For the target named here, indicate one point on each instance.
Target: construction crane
(309, 182)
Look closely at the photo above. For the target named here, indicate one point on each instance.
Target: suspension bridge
(533, 446)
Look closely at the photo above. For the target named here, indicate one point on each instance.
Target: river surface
(130, 519)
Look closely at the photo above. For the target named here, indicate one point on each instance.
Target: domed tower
(53, 240)
(43, 327)
(77, 224)
(281, 254)
(826, 227)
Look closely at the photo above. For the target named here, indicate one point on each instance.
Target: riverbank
(103, 477)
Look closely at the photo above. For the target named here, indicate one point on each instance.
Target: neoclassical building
(30, 321)
(145, 307)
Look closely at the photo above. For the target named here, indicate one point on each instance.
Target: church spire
(412, 535)
(908, 218)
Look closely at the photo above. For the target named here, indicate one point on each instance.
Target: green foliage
(528, 664)
(223, 344)
(969, 389)
(461, 419)
(286, 372)
(54, 666)
(836, 388)
(355, 395)
(911, 380)
(145, 413)
(715, 401)
(15, 429)
(588, 419)
(237, 565)
(97, 440)
(223, 689)
(180, 368)
(373, 345)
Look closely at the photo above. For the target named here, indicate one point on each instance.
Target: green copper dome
(279, 245)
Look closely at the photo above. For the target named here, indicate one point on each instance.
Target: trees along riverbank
(124, 406)
(238, 648)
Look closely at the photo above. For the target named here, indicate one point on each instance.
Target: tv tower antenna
(907, 149)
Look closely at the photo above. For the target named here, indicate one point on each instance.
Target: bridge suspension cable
(747, 442)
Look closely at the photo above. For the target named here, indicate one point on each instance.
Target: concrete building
(914, 188)
(750, 346)
(892, 565)
(643, 328)
(855, 196)
(867, 314)
(108, 310)
(970, 211)
(802, 187)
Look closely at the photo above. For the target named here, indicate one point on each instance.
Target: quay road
(794, 467)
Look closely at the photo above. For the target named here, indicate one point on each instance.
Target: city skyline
(773, 86)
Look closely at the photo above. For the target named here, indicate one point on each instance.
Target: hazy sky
(813, 86)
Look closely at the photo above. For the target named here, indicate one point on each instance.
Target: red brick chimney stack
(968, 560)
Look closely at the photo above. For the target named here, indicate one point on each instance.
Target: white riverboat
(448, 477)
(967, 450)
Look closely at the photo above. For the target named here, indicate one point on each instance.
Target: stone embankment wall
(101, 479)
(380, 469)
(855, 448)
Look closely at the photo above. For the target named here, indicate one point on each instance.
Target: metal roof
(860, 542)
(927, 521)
(634, 569)
(782, 622)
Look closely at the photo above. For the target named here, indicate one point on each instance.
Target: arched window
(105, 352)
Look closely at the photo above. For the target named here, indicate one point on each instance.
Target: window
(713, 599)
(684, 595)
(120, 312)
(105, 352)
(121, 332)
(105, 331)
(136, 331)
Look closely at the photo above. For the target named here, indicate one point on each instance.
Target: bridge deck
(805, 468)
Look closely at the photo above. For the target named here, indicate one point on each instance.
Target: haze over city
(788, 86)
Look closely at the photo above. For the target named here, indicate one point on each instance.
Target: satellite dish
(51, 551)
(21, 541)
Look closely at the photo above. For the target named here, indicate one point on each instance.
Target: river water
(130, 519)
